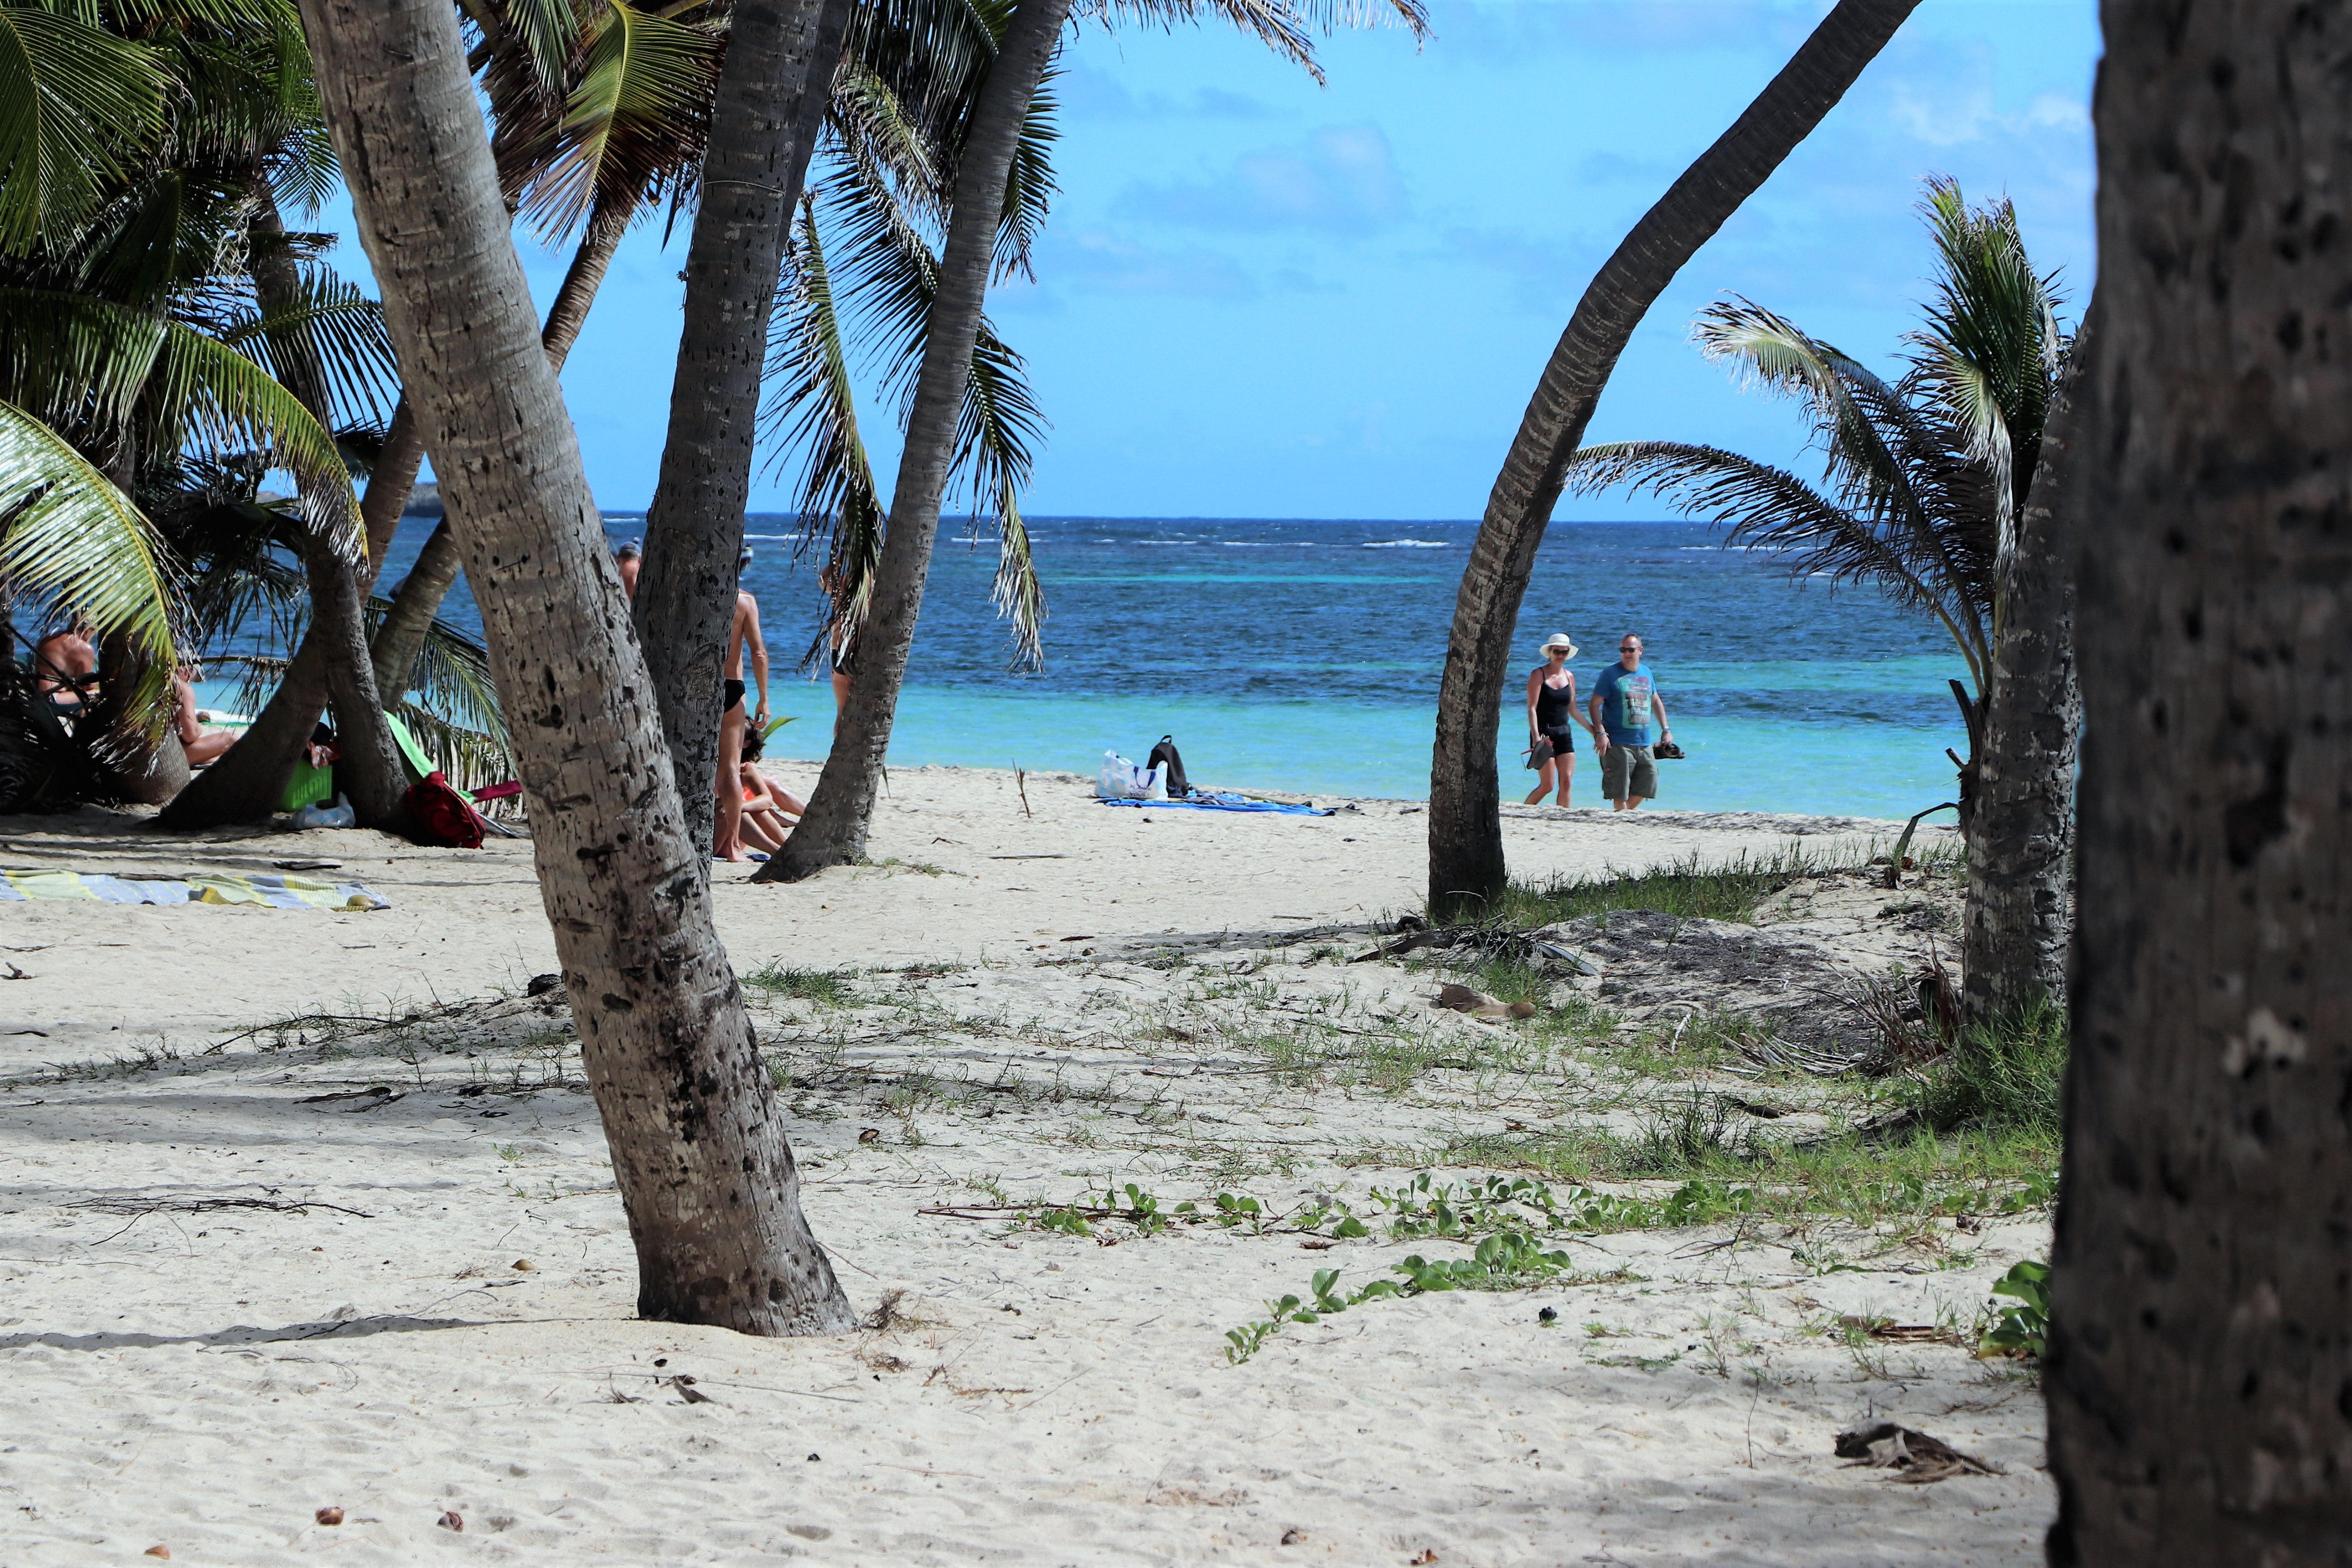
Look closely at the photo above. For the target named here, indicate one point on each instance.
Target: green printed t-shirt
(1625, 704)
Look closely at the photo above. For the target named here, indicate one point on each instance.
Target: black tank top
(1555, 705)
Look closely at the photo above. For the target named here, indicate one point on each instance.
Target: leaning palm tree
(1466, 824)
(1924, 479)
(959, 410)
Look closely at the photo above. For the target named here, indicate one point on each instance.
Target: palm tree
(965, 405)
(770, 99)
(2019, 913)
(699, 1149)
(128, 320)
(1465, 826)
(1927, 480)
(2198, 1364)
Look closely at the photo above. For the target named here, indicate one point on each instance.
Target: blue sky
(1263, 298)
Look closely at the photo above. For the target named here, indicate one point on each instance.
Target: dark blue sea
(1305, 655)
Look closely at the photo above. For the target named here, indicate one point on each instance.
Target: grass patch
(825, 986)
(2003, 1077)
(1688, 887)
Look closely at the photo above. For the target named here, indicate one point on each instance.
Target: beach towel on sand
(1224, 803)
(269, 891)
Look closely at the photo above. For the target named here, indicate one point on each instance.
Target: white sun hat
(1557, 640)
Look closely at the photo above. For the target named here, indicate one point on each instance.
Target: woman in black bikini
(1551, 720)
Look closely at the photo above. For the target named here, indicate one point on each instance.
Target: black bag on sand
(1164, 756)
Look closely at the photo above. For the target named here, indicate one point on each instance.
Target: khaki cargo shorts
(1629, 773)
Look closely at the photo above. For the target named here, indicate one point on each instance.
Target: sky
(1262, 296)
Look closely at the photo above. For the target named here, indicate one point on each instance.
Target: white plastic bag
(1122, 780)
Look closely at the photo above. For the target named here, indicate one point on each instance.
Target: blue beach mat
(1224, 803)
(271, 892)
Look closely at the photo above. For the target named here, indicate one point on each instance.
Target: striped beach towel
(271, 891)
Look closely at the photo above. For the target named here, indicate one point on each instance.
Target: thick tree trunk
(1466, 830)
(773, 92)
(368, 771)
(390, 484)
(833, 831)
(2199, 1377)
(698, 1147)
(401, 636)
(2019, 913)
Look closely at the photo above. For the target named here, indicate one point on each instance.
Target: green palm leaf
(67, 534)
(635, 117)
(336, 328)
(74, 99)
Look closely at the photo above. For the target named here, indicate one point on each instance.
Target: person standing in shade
(1552, 720)
(1623, 700)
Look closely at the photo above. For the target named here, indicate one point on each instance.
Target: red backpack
(442, 815)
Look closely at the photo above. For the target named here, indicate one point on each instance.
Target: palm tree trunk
(833, 831)
(401, 636)
(1466, 830)
(333, 651)
(2198, 1362)
(2019, 914)
(772, 96)
(390, 484)
(697, 1142)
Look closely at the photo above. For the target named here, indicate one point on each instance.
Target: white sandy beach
(227, 1303)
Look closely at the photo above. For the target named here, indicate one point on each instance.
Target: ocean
(1305, 655)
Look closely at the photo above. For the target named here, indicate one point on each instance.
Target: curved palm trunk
(833, 831)
(401, 636)
(2018, 913)
(771, 97)
(698, 1147)
(1466, 830)
(2199, 1363)
(335, 673)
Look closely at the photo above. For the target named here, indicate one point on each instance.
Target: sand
(226, 1302)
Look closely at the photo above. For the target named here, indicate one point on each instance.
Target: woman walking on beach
(1551, 720)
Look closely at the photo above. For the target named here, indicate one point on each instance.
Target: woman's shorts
(1563, 742)
(1629, 773)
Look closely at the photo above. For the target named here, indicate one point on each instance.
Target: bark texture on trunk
(773, 92)
(2019, 907)
(1465, 828)
(833, 831)
(2199, 1377)
(390, 484)
(401, 636)
(699, 1149)
(368, 771)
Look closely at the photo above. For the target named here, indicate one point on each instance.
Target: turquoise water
(1305, 655)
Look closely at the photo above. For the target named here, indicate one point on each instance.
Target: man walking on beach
(1624, 698)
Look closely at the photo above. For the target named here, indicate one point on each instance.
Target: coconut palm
(1924, 479)
(699, 1152)
(2197, 1373)
(964, 406)
(128, 321)
(1466, 824)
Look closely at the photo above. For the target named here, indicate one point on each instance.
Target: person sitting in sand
(202, 745)
(1552, 719)
(65, 665)
(771, 811)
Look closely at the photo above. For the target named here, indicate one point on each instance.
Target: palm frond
(68, 536)
(996, 432)
(336, 328)
(812, 417)
(1029, 187)
(1990, 346)
(1767, 508)
(634, 121)
(74, 102)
